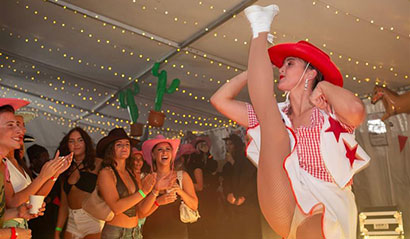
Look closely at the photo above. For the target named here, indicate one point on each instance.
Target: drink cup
(36, 201)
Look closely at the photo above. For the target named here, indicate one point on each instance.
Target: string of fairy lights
(340, 56)
(82, 88)
(58, 118)
(176, 121)
(331, 52)
(337, 11)
(108, 42)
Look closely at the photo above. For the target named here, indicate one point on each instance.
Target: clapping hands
(56, 166)
(165, 182)
(148, 182)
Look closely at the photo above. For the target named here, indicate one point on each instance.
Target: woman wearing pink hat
(306, 153)
(9, 139)
(164, 220)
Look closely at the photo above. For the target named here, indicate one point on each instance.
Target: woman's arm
(22, 233)
(62, 212)
(15, 199)
(199, 185)
(52, 167)
(348, 108)
(108, 191)
(187, 194)
(224, 100)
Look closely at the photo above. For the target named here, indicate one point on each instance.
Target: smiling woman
(9, 140)
(164, 221)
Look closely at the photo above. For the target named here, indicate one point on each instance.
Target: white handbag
(186, 214)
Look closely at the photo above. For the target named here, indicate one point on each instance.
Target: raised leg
(274, 191)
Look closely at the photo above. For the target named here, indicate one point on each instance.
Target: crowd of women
(144, 186)
(304, 149)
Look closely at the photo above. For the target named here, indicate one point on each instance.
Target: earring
(306, 83)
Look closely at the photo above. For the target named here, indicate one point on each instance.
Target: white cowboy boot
(261, 18)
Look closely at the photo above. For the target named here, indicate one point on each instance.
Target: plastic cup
(36, 201)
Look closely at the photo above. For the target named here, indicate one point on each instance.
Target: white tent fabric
(386, 181)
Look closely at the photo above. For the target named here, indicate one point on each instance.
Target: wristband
(156, 203)
(142, 193)
(59, 229)
(13, 233)
(155, 193)
(53, 178)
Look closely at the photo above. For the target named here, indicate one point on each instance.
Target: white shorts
(298, 219)
(81, 224)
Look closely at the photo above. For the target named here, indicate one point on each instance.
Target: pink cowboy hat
(201, 139)
(148, 145)
(186, 149)
(13, 102)
(308, 52)
(136, 151)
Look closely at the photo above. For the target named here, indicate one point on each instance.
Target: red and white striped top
(308, 147)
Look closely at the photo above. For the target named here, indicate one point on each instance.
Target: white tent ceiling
(70, 58)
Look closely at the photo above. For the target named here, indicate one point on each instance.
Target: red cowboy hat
(113, 135)
(308, 52)
(202, 139)
(13, 102)
(186, 149)
(148, 145)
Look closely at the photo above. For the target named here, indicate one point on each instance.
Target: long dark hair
(89, 160)
(6, 108)
(109, 161)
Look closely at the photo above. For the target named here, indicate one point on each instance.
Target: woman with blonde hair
(163, 206)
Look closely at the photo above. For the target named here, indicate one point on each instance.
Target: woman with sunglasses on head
(304, 147)
(164, 205)
(21, 186)
(77, 185)
(10, 134)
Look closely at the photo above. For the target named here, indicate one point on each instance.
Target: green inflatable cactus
(162, 86)
(127, 100)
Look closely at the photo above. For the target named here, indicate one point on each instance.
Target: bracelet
(156, 203)
(142, 193)
(53, 178)
(59, 229)
(156, 194)
(13, 233)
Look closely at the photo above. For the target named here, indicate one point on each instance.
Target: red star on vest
(351, 153)
(336, 128)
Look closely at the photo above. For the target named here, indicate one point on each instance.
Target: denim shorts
(114, 232)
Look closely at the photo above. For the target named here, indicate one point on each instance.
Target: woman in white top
(20, 186)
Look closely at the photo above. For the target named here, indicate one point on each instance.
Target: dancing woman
(305, 147)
